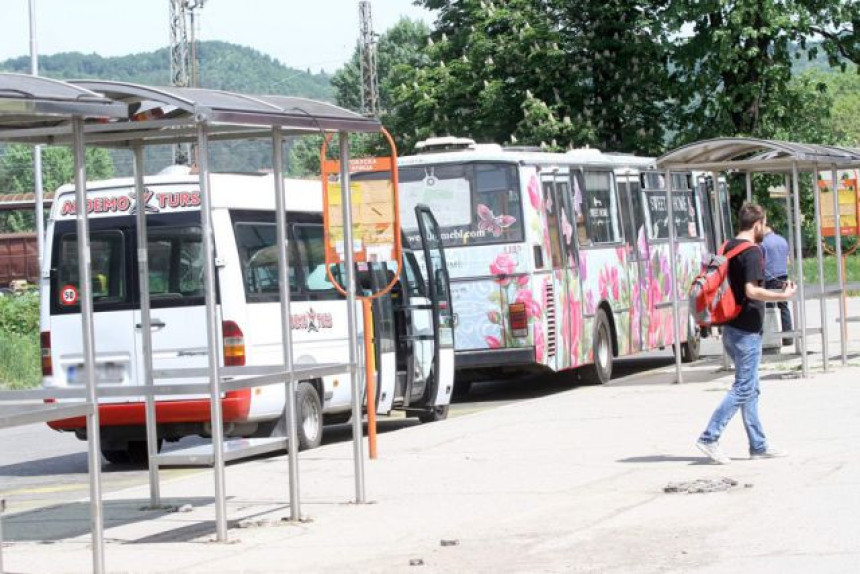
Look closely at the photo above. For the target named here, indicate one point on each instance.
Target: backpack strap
(737, 250)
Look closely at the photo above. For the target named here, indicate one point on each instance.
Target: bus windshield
(474, 203)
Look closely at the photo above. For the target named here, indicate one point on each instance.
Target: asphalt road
(40, 467)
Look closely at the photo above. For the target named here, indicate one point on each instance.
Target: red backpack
(712, 301)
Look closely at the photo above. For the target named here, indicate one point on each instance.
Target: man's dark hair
(749, 215)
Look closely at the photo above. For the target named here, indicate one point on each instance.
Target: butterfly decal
(494, 223)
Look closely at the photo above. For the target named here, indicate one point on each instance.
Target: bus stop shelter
(130, 116)
(790, 160)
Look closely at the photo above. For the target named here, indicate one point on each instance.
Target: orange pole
(370, 378)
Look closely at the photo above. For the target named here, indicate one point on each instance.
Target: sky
(315, 34)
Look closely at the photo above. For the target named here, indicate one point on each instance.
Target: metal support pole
(673, 276)
(37, 151)
(721, 237)
(789, 218)
(749, 187)
(146, 326)
(212, 330)
(349, 265)
(2, 510)
(286, 323)
(801, 291)
(822, 296)
(840, 277)
(89, 350)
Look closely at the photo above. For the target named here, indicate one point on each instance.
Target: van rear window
(107, 250)
(175, 263)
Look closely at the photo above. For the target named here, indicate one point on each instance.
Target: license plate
(106, 373)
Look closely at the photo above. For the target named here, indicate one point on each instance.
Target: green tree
(16, 176)
(737, 62)
(400, 45)
(556, 72)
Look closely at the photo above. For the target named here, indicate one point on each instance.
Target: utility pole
(367, 51)
(183, 61)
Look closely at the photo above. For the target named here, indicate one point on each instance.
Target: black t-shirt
(746, 267)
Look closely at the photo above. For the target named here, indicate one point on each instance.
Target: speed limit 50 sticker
(68, 295)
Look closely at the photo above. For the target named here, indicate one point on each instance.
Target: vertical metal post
(286, 323)
(349, 264)
(840, 277)
(88, 341)
(720, 237)
(145, 327)
(212, 330)
(789, 218)
(749, 187)
(801, 291)
(2, 510)
(673, 276)
(37, 150)
(822, 296)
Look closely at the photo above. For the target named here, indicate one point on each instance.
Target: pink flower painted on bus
(493, 223)
(504, 264)
(534, 192)
(523, 280)
(494, 317)
(493, 342)
(533, 308)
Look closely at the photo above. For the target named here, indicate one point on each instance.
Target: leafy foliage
(19, 314)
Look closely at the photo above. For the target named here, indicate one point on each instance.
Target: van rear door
(112, 304)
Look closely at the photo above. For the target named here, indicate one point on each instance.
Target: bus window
(474, 203)
(553, 209)
(601, 207)
(175, 263)
(578, 199)
(107, 249)
(684, 208)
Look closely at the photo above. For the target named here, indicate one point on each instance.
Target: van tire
(435, 414)
(310, 415)
(600, 371)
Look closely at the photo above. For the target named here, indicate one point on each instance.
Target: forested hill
(223, 66)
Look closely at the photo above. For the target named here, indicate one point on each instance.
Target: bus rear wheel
(690, 349)
(435, 414)
(600, 371)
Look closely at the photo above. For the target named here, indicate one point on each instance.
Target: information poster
(849, 206)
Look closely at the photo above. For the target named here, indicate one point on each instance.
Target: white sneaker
(768, 452)
(713, 451)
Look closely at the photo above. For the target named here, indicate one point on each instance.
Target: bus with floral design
(557, 260)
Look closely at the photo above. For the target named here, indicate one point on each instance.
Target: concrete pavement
(568, 482)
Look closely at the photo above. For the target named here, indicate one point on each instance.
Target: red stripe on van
(235, 405)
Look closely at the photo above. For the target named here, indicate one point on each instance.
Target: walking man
(775, 249)
(742, 339)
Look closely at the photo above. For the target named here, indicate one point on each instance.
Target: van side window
(309, 240)
(258, 256)
(107, 250)
(175, 263)
(601, 207)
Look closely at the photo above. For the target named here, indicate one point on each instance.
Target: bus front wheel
(690, 349)
(600, 371)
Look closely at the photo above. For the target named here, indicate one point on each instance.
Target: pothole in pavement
(703, 486)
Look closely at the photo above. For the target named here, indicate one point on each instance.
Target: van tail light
(45, 351)
(518, 320)
(234, 344)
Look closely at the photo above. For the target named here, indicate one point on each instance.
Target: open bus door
(425, 348)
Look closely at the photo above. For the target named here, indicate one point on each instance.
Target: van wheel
(435, 414)
(310, 415)
(600, 371)
(691, 348)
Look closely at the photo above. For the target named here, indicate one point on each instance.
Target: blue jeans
(744, 348)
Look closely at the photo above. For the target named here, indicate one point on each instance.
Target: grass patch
(852, 270)
(19, 361)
